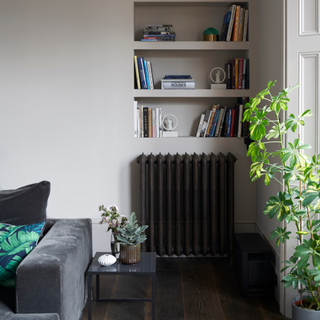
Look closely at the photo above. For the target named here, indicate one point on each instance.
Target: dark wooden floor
(187, 288)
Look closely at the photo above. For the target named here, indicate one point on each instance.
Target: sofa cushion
(15, 243)
(25, 205)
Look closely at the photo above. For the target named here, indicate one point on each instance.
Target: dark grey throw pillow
(25, 205)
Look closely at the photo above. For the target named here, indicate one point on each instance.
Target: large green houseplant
(298, 202)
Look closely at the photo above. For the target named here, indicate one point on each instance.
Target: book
(225, 25)
(240, 73)
(160, 123)
(205, 123)
(158, 39)
(142, 74)
(141, 121)
(233, 82)
(159, 27)
(136, 68)
(248, 74)
(168, 76)
(135, 119)
(233, 114)
(157, 122)
(214, 108)
(231, 22)
(146, 73)
(244, 74)
(200, 125)
(245, 25)
(220, 134)
(160, 35)
(236, 73)
(240, 31)
(240, 120)
(214, 121)
(150, 75)
(235, 32)
(228, 69)
(229, 122)
(157, 32)
(138, 122)
(150, 130)
(225, 125)
(236, 120)
(222, 110)
(145, 122)
(178, 84)
(154, 124)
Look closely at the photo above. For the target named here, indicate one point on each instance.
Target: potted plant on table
(111, 216)
(130, 238)
(298, 202)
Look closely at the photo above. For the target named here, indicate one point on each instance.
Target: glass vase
(114, 246)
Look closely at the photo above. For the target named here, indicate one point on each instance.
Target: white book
(200, 125)
(245, 27)
(138, 122)
(160, 123)
(230, 28)
(178, 85)
(154, 124)
(240, 120)
(135, 119)
(150, 74)
(157, 123)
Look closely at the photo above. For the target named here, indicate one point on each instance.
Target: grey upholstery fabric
(52, 278)
(25, 205)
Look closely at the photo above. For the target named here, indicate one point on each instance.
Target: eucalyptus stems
(299, 200)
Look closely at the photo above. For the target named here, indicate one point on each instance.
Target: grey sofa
(51, 280)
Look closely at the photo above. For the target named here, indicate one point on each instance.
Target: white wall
(270, 67)
(66, 79)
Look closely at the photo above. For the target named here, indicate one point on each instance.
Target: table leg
(89, 295)
(154, 288)
(97, 287)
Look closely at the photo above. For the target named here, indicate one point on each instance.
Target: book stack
(235, 24)
(178, 82)
(147, 122)
(159, 32)
(223, 121)
(143, 72)
(238, 73)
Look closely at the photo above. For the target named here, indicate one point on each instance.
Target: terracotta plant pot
(130, 254)
(303, 314)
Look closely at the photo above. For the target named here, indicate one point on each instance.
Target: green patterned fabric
(15, 243)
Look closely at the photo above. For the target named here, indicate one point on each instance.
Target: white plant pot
(303, 314)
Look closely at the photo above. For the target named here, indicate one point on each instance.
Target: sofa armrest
(52, 278)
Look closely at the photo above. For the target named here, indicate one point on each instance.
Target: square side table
(146, 266)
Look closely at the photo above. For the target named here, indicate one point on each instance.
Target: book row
(158, 33)
(223, 121)
(238, 73)
(143, 72)
(147, 122)
(235, 24)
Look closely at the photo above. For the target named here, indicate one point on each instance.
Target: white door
(302, 66)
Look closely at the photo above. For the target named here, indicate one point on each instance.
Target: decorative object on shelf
(111, 216)
(130, 238)
(298, 202)
(107, 260)
(210, 34)
(170, 122)
(218, 76)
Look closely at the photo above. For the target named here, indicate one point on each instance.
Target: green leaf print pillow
(15, 243)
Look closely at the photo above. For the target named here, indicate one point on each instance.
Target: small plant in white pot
(298, 202)
(130, 237)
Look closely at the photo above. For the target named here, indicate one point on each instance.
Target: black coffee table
(146, 266)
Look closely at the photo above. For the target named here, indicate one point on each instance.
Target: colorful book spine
(214, 108)
(154, 124)
(150, 74)
(236, 73)
(231, 23)
(146, 73)
(214, 124)
(136, 67)
(150, 130)
(145, 123)
(240, 72)
(229, 122)
(219, 122)
(235, 32)
(142, 73)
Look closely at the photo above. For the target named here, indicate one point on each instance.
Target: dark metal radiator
(188, 203)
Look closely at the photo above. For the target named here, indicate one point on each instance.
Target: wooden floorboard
(187, 289)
